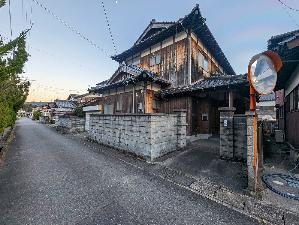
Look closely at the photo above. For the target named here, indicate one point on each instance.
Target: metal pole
(133, 103)
(252, 109)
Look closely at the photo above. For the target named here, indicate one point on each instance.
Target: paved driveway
(49, 178)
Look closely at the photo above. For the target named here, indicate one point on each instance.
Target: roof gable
(133, 74)
(287, 47)
(193, 21)
(153, 28)
(124, 72)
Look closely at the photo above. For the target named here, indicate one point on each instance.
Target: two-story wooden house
(174, 65)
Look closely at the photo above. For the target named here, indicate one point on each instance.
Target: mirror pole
(252, 99)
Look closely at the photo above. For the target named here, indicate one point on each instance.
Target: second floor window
(202, 61)
(155, 60)
(206, 64)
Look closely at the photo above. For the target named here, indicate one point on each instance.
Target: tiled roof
(216, 82)
(267, 98)
(72, 96)
(65, 104)
(196, 22)
(279, 44)
(281, 37)
(102, 83)
(138, 74)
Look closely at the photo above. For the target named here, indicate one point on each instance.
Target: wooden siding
(197, 71)
(173, 65)
(292, 128)
(149, 97)
(173, 62)
(125, 100)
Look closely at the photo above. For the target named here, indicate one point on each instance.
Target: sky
(61, 62)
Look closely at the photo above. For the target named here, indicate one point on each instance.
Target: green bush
(7, 115)
(79, 111)
(36, 114)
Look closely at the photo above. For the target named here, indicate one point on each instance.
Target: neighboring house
(87, 97)
(265, 107)
(94, 106)
(266, 111)
(83, 98)
(175, 65)
(46, 115)
(287, 46)
(63, 107)
(72, 97)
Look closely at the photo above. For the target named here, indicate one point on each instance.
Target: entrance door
(200, 116)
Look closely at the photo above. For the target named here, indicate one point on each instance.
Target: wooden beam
(230, 99)
(189, 52)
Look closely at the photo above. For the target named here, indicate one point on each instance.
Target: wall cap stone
(250, 113)
(227, 109)
(179, 110)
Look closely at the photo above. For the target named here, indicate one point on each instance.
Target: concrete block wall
(233, 131)
(227, 133)
(146, 135)
(240, 137)
(71, 123)
(87, 118)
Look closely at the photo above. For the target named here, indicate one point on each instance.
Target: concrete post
(254, 183)
(181, 127)
(227, 132)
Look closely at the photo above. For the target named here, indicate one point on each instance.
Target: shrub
(36, 114)
(79, 111)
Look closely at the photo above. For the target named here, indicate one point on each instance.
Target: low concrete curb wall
(5, 138)
(70, 123)
(146, 135)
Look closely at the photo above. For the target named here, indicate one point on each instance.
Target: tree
(79, 111)
(36, 115)
(13, 91)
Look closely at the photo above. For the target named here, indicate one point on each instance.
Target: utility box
(279, 136)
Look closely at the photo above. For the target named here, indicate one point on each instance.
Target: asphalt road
(48, 178)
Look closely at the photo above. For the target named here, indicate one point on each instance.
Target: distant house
(266, 107)
(175, 65)
(287, 96)
(63, 107)
(72, 97)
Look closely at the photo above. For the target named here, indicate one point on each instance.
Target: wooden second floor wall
(170, 59)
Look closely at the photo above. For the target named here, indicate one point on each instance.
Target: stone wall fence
(233, 135)
(146, 135)
(68, 123)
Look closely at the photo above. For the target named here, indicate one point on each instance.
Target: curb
(5, 143)
(262, 211)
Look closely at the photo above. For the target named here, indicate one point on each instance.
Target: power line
(285, 8)
(71, 28)
(43, 51)
(289, 7)
(9, 11)
(22, 7)
(109, 26)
